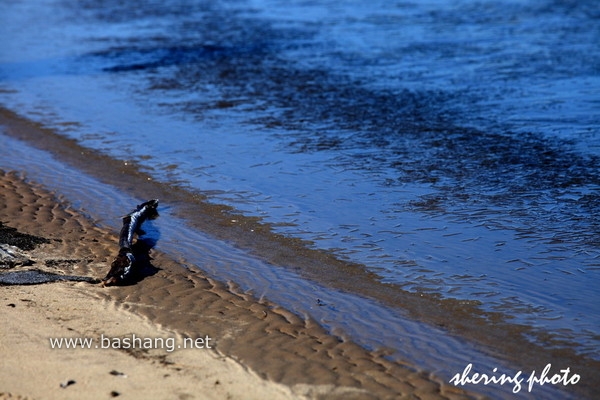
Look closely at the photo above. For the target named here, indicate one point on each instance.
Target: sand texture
(258, 350)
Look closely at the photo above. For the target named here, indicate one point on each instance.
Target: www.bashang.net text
(169, 344)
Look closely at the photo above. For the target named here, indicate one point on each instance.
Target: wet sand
(259, 350)
(462, 319)
(278, 345)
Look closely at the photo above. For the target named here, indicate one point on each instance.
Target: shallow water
(377, 327)
(449, 147)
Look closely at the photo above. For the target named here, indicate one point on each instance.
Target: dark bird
(122, 267)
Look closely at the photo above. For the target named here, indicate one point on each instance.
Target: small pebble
(67, 383)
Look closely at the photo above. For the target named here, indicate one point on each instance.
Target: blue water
(449, 147)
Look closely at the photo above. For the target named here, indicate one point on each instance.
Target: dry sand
(258, 350)
(32, 369)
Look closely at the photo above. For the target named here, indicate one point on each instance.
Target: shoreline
(225, 303)
(269, 349)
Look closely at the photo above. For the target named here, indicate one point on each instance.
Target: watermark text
(132, 341)
(517, 380)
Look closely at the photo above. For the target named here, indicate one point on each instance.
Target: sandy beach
(257, 349)
(31, 368)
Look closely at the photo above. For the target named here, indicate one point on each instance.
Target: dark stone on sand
(11, 256)
(36, 277)
(67, 383)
